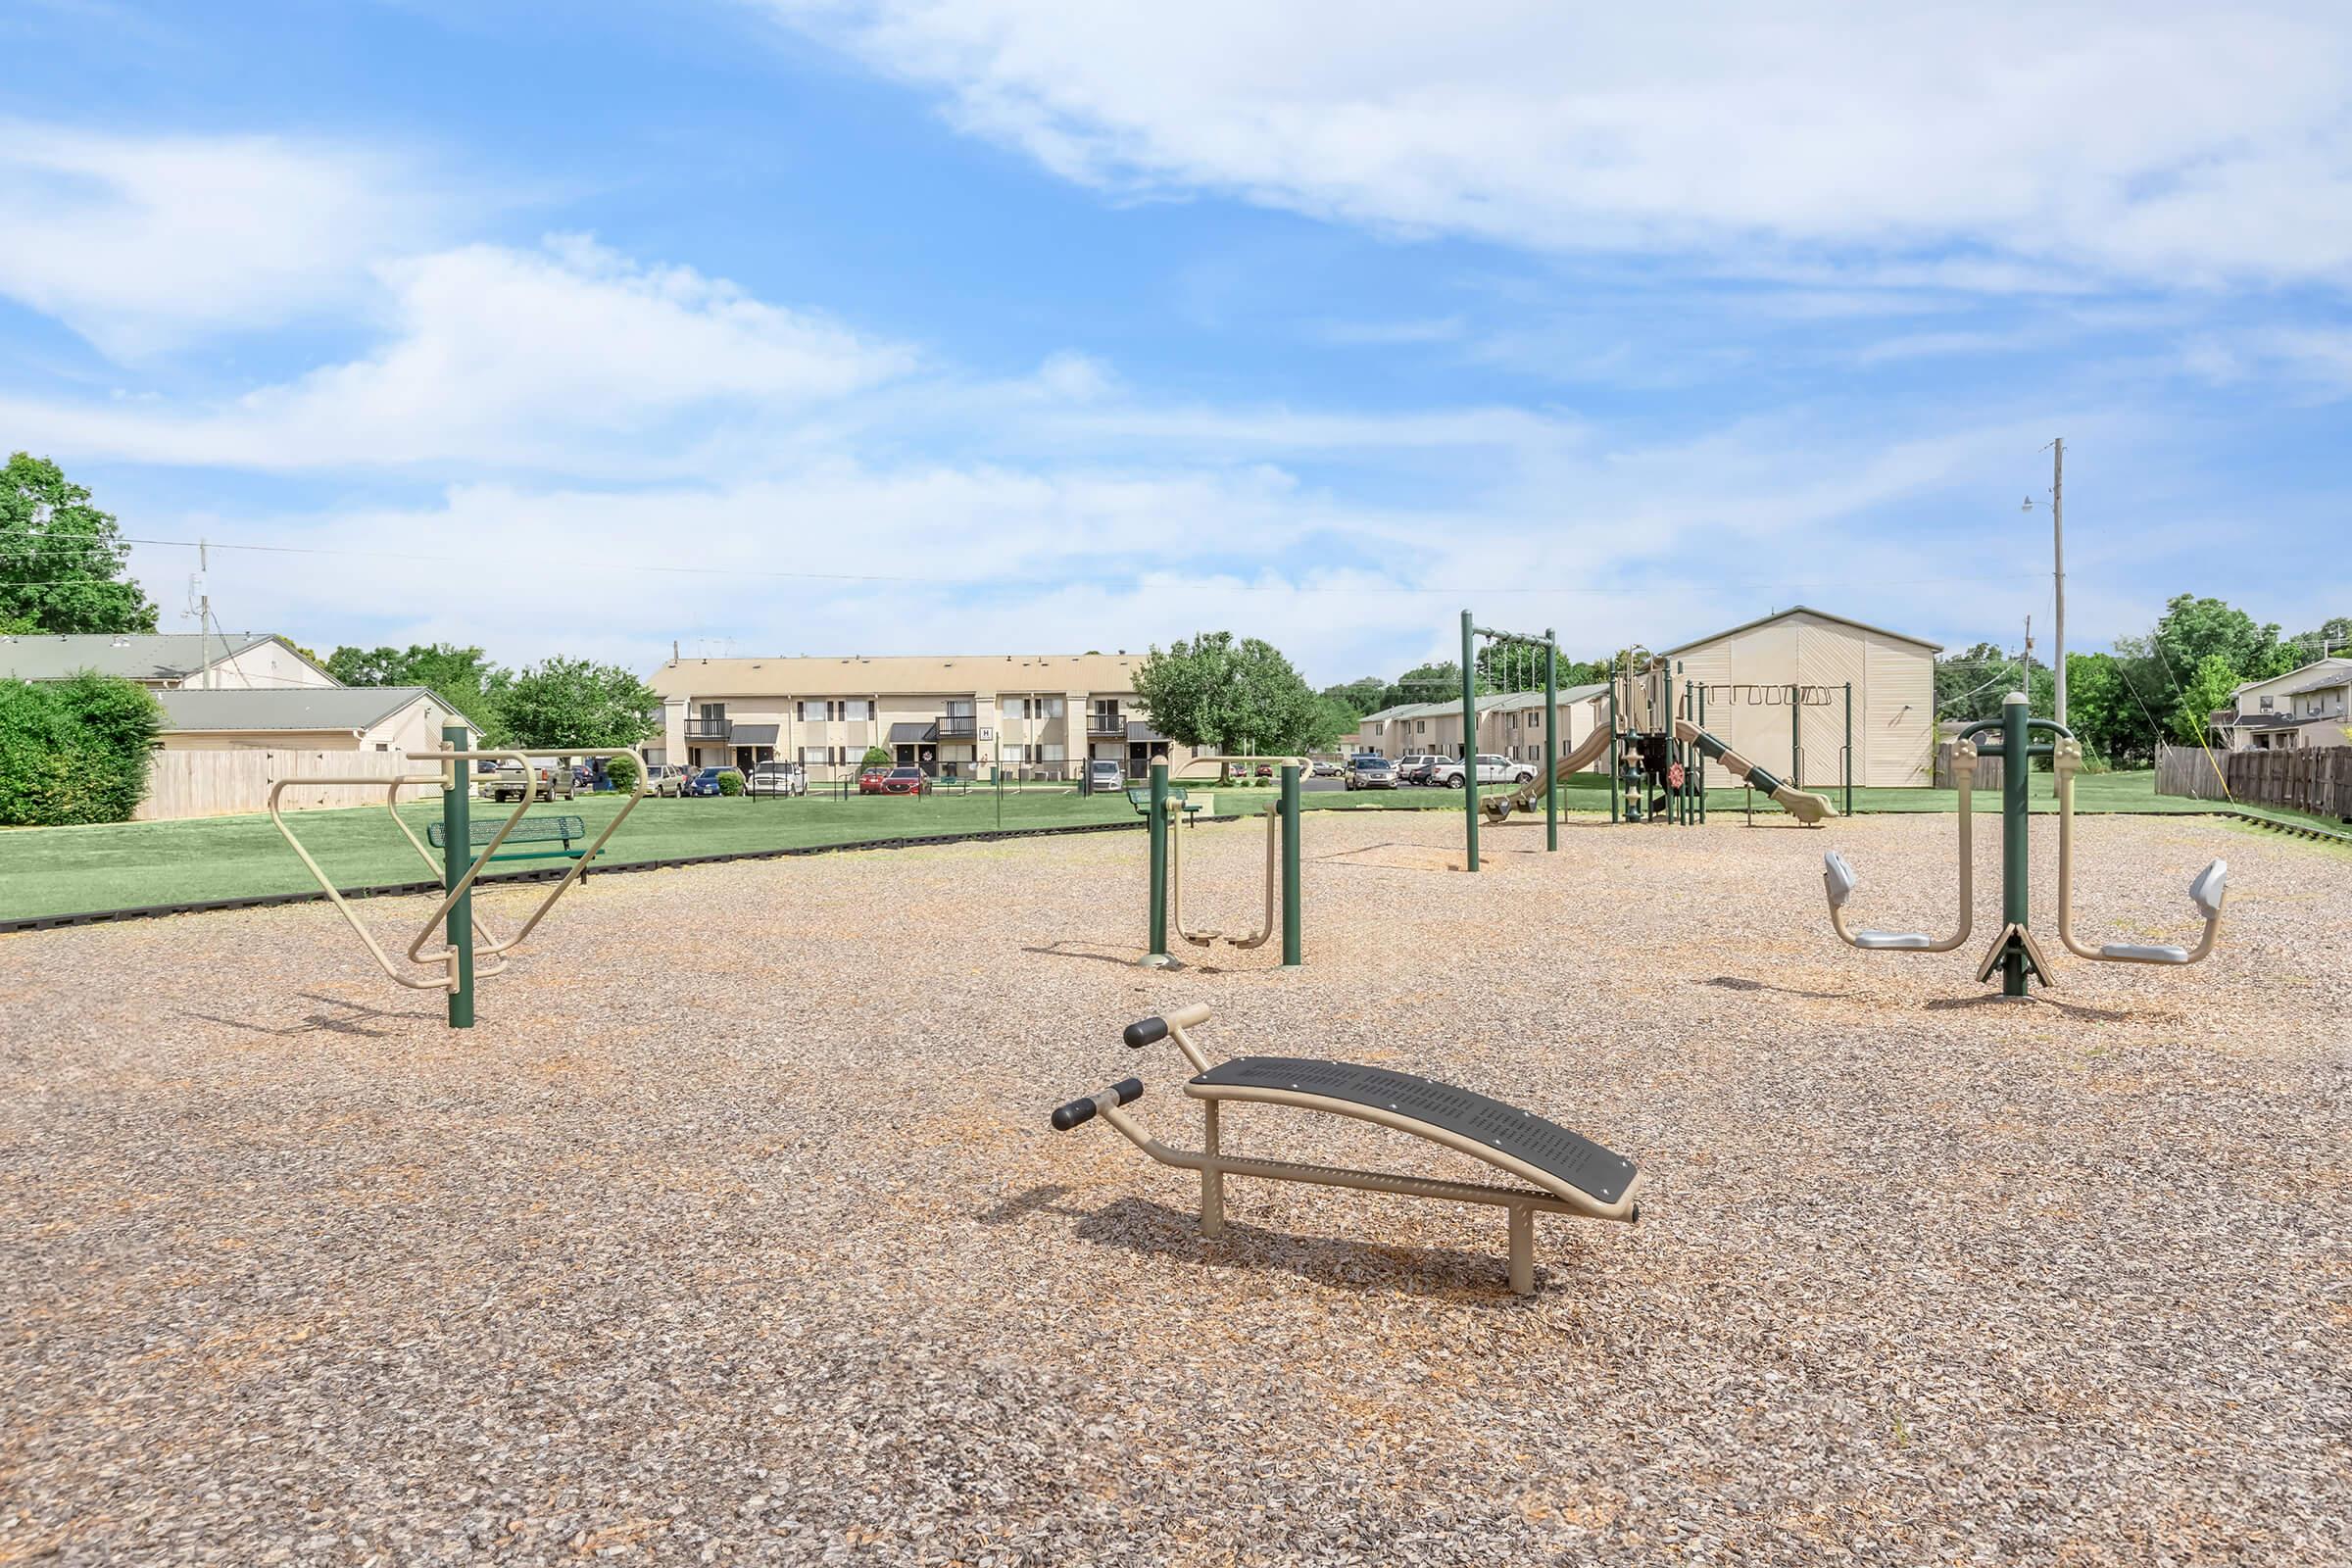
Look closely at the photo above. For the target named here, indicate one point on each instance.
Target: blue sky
(934, 325)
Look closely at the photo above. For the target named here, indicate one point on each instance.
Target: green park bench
(1139, 796)
(530, 830)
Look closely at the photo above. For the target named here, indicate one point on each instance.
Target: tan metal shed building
(1748, 669)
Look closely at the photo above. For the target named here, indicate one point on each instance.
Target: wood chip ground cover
(735, 1231)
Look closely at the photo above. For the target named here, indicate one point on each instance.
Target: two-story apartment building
(2307, 707)
(1510, 725)
(1035, 716)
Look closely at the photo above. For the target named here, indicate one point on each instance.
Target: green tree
(2192, 629)
(2100, 710)
(1333, 718)
(74, 750)
(2207, 689)
(622, 772)
(1424, 683)
(571, 702)
(877, 757)
(463, 676)
(1970, 684)
(1365, 694)
(2329, 638)
(1216, 694)
(62, 559)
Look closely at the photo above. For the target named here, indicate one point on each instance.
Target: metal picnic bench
(1139, 796)
(530, 830)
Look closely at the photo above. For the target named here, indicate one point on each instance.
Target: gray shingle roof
(291, 707)
(136, 656)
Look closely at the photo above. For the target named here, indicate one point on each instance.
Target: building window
(856, 709)
(2265, 705)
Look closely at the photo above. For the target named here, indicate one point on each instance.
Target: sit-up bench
(1139, 796)
(565, 830)
(1563, 1173)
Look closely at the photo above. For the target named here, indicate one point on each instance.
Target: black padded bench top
(1520, 1134)
(530, 830)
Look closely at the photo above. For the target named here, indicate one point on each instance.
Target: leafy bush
(74, 750)
(730, 782)
(623, 771)
(877, 757)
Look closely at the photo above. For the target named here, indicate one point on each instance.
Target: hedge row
(74, 750)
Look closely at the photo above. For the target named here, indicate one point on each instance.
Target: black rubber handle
(1146, 1032)
(1078, 1113)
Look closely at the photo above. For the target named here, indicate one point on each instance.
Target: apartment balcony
(958, 727)
(709, 729)
(1107, 726)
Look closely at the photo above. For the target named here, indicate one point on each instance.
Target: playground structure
(1167, 814)
(1564, 1172)
(1660, 749)
(1657, 749)
(2015, 955)
(455, 833)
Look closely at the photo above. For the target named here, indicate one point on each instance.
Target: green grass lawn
(73, 869)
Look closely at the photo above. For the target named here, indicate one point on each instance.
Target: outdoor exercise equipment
(1164, 813)
(2015, 955)
(1564, 1173)
(455, 916)
(1530, 645)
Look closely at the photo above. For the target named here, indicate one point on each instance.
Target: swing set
(455, 917)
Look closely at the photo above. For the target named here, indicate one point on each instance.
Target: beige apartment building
(1510, 725)
(1034, 716)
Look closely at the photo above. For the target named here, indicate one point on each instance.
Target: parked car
(702, 781)
(664, 778)
(1371, 773)
(545, 781)
(776, 778)
(1491, 771)
(891, 781)
(1105, 773)
(1324, 768)
(1415, 768)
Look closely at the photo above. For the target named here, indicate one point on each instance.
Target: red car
(891, 781)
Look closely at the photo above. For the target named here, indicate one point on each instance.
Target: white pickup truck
(1448, 771)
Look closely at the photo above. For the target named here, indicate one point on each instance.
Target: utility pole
(203, 613)
(2026, 680)
(2058, 565)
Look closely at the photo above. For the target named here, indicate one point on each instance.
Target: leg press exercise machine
(1562, 1172)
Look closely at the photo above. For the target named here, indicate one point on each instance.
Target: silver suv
(1448, 771)
(776, 778)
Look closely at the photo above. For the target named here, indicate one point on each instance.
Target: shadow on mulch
(353, 1019)
(2073, 1009)
(1155, 1229)
(1732, 982)
(1124, 958)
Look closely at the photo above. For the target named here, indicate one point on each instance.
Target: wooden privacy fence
(2317, 779)
(223, 783)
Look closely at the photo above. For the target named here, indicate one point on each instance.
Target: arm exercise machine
(1562, 1173)
(454, 915)
(2017, 955)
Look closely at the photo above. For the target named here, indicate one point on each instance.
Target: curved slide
(1498, 808)
(1807, 808)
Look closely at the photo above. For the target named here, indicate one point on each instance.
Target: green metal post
(1158, 834)
(1552, 740)
(1615, 776)
(1292, 947)
(1797, 744)
(1470, 736)
(457, 854)
(2016, 763)
(1849, 748)
(1699, 717)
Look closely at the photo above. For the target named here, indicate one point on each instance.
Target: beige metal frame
(2066, 760)
(446, 958)
(1551, 1196)
(1273, 817)
(1964, 770)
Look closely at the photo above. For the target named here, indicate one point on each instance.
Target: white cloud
(140, 244)
(568, 358)
(2156, 138)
